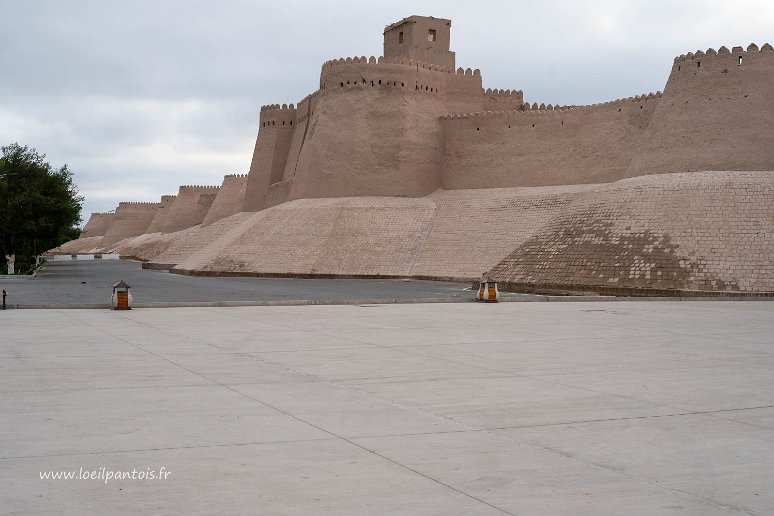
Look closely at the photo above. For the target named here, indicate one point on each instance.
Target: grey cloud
(140, 97)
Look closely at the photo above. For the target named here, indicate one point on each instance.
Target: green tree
(39, 206)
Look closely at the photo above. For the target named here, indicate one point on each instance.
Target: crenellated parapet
(198, 187)
(132, 205)
(715, 114)
(497, 100)
(712, 59)
(276, 115)
(535, 109)
(391, 72)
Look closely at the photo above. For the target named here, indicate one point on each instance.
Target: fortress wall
(695, 231)
(130, 219)
(190, 207)
(502, 100)
(544, 145)
(463, 92)
(304, 111)
(277, 124)
(374, 130)
(229, 200)
(716, 114)
(97, 225)
(157, 224)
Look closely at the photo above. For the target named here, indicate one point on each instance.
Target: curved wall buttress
(374, 130)
(157, 224)
(717, 113)
(229, 199)
(275, 134)
(97, 225)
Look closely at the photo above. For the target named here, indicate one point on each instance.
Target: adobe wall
(97, 225)
(707, 231)
(157, 224)
(275, 133)
(374, 130)
(717, 113)
(189, 208)
(130, 219)
(544, 145)
(229, 200)
(502, 100)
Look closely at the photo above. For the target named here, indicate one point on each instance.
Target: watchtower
(422, 38)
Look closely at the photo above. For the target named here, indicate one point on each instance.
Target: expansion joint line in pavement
(297, 418)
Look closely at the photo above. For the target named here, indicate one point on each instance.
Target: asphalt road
(90, 282)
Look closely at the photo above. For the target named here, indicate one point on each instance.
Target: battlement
(536, 109)
(198, 187)
(712, 59)
(273, 115)
(234, 175)
(168, 198)
(276, 107)
(138, 205)
(401, 61)
(339, 74)
(496, 100)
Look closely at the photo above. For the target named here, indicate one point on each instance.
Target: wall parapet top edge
(723, 50)
(401, 61)
(534, 108)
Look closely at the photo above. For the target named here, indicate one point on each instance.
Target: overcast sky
(139, 97)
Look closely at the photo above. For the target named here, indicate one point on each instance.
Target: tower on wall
(422, 38)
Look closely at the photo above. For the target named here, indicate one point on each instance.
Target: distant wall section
(97, 225)
(157, 224)
(130, 219)
(229, 199)
(190, 207)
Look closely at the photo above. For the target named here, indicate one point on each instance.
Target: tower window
(431, 35)
(400, 37)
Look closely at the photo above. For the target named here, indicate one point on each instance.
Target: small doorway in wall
(431, 35)
(400, 37)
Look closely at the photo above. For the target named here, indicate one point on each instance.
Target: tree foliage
(39, 205)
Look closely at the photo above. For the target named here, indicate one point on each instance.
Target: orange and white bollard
(488, 292)
(121, 298)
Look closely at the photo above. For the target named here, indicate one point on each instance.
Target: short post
(121, 298)
(4, 294)
(487, 291)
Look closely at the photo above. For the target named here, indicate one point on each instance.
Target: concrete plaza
(469, 409)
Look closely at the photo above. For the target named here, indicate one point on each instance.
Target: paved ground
(92, 281)
(469, 409)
